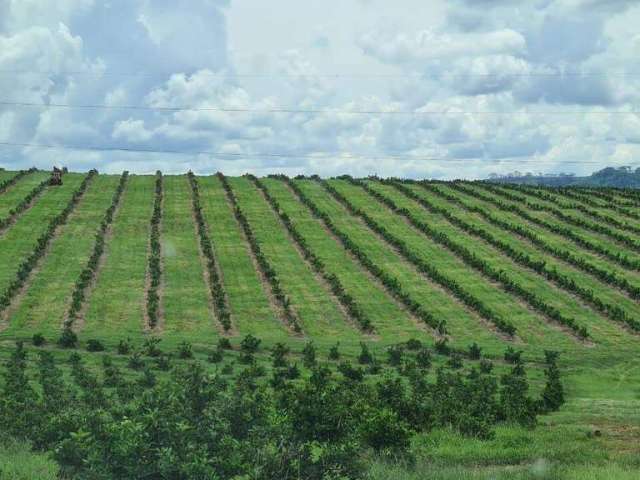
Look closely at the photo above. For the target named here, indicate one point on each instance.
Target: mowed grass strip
(185, 300)
(602, 330)
(487, 200)
(390, 322)
(318, 313)
(19, 241)
(116, 304)
(251, 312)
(606, 241)
(527, 320)
(44, 305)
(463, 326)
(13, 196)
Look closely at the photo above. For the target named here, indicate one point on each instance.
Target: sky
(409, 88)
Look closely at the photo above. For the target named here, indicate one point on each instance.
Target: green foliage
(365, 356)
(95, 346)
(68, 339)
(124, 347)
(38, 340)
(250, 344)
(334, 352)
(185, 350)
(475, 352)
(309, 355)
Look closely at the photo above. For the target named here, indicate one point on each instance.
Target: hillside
(197, 258)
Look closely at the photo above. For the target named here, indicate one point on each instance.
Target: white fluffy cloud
(491, 85)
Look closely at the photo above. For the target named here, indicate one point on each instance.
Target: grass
(186, 306)
(19, 240)
(18, 462)
(46, 302)
(116, 305)
(318, 311)
(14, 194)
(248, 301)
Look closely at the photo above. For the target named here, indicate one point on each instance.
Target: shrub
(150, 347)
(68, 339)
(475, 352)
(355, 374)
(513, 356)
(423, 358)
(442, 347)
(394, 355)
(124, 347)
(250, 344)
(38, 340)
(365, 356)
(185, 351)
(224, 344)
(279, 354)
(215, 356)
(455, 361)
(486, 366)
(309, 355)
(334, 352)
(135, 361)
(163, 362)
(414, 344)
(95, 346)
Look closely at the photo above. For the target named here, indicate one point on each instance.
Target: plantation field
(293, 260)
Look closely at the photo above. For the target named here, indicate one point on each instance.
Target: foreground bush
(194, 425)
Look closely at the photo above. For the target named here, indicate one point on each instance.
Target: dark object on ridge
(56, 176)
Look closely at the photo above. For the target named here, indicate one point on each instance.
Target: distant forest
(624, 177)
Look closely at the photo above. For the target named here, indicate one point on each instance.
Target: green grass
(116, 305)
(251, 312)
(318, 311)
(18, 462)
(19, 240)
(14, 194)
(46, 302)
(186, 307)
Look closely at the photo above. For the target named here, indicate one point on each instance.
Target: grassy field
(601, 374)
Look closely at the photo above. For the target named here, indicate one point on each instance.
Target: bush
(442, 347)
(38, 340)
(455, 361)
(365, 356)
(423, 358)
(355, 374)
(279, 354)
(394, 355)
(250, 344)
(513, 356)
(486, 366)
(309, 355)
(185, 351)
(163, 362)
(475, 352)
(124, 347)
(135, 361)
(215, 356)
(150, 347)
(68, 339)
(95, 346)
(414, 344)
(224, 344)
(334, 352)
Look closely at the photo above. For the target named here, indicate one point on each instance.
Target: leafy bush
(95, 346)
(185, 351)
(68, 339)
(250, 344)
(38, 340)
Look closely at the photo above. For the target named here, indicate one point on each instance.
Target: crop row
(391, 283)
(607, 276)
(612, 311)
(27, 266)
(544, 195)
(346, 300)
(215, 282)
(441, 239)
(563, 231)
(579, 222)
(89, 272)
(23, 204)
(155, 253)
(267, 270)
(11, 181)
(605, 194)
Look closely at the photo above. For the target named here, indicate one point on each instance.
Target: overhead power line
(436, 75)
(311, 156)
(311, 111)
